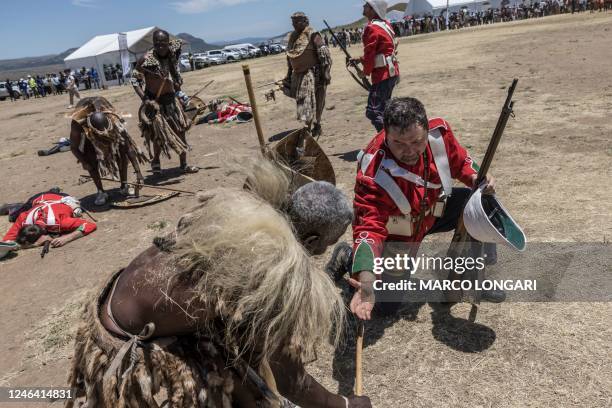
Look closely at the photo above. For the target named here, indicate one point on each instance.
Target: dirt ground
(553, 171)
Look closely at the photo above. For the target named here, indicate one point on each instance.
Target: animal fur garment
(164, 128)
(246, 264)
(106, 143)
(263, 293)
(190, 369)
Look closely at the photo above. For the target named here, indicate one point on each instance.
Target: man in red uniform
(50, 215)
(379, 60)
(403, 175)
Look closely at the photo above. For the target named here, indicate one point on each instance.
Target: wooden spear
(358, 360)
(143, 185)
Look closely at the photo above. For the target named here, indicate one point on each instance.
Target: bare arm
(75, 142)
(308, 393)
(132, 157)
(136, 75)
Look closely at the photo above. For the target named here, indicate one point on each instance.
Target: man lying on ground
(227, 310)
(51, 216)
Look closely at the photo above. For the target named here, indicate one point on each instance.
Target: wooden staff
(144, 185)
(358, 359)
(203, 88)
(247, 77)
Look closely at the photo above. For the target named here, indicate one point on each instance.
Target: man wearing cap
(379, 59)
(309, 66)
(404, 192)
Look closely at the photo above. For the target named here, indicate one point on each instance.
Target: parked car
(277, 48)
(5, 94)
(232, 55)
(201, 60)
(250, 50)
(216, 57)
(254, 51)
(244, 54)
(184, 64)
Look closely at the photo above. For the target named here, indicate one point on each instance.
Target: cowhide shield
(312, 164)
(195, 107)
(142, 200)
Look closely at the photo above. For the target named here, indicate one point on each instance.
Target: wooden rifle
(462, 243)
(360, 77)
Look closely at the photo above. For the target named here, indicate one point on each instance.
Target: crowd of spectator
(429, 23)
(67, 81)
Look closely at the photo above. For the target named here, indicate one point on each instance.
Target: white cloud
(85, 3)
(200, 6)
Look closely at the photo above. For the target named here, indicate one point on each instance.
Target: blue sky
(39, 27)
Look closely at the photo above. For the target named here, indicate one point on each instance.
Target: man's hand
(39, 242)
(490, 182)
(353, 61)
(363, 299)
(86, 166)
(60, 241)
(359, 402)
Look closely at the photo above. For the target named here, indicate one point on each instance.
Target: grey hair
(320, 207)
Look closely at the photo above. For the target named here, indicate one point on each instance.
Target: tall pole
(247, 77)
(447, 27)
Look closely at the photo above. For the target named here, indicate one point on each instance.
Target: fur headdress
(247, 265)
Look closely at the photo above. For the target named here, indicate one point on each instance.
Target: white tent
(104, 49)
(395, 15)
(418, 8)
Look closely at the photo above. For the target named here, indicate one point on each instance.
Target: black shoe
(493, 296)
(316, 130)
(339, 262)
(490, 253)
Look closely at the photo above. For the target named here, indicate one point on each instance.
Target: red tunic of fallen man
(52, 217)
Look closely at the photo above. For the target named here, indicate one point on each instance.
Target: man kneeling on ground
(227, 310)
(403, 192)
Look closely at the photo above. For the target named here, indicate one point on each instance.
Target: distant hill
(247, 40)
(34, 62)
(197, 44)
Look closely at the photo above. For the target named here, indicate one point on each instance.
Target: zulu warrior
(226, 310)
(101, 143)
(162, 119)
(309, 72)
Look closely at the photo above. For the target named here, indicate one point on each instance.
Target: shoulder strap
(382, 24)
(436, 142)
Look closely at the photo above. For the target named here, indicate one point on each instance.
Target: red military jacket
(378, 205)
(48, 212)
(376, 41)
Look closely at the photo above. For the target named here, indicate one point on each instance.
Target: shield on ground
(195, 108)
(143, 200)
(310, 162)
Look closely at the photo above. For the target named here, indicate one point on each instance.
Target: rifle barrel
(497, 134)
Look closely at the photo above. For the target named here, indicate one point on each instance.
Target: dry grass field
(553, 171)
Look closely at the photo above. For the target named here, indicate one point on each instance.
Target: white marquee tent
(395, 15)
(418, 8)
(104, 49)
